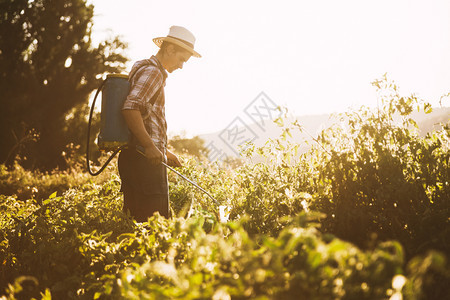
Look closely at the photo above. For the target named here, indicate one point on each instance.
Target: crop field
(364, 214)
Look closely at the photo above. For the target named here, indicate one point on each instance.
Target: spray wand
(141, 151)
(191, 182)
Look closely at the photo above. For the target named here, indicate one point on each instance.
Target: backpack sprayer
(114, 133)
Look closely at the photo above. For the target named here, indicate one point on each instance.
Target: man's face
(176, 59)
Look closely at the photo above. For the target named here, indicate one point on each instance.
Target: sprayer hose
(89, 136)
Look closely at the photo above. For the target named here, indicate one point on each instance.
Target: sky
(313, 57)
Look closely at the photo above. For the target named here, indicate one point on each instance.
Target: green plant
(374, 176)
(344, 220)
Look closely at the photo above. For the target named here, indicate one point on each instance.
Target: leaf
(47, 295)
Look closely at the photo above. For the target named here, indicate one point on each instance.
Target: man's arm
(135, 123)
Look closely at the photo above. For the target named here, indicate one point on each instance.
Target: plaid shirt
(146, 78)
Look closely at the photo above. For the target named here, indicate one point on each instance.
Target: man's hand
(153, 154)
(172, 160)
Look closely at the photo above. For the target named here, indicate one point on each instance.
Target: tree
(48, 66)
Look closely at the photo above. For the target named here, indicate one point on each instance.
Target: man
(144, 177)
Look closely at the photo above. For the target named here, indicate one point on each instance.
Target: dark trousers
(144, 186)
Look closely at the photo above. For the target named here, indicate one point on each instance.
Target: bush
(27, 184)
(373, 177)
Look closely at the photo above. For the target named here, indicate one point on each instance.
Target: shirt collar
(160, 66)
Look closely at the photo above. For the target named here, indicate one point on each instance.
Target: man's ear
(170, 50)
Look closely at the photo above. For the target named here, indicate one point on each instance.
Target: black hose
(89, 136)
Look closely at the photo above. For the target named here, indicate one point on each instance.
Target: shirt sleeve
(143, 88)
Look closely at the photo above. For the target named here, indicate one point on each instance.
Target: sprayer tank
(113, 129)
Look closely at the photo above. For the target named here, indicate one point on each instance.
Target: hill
(225, 143)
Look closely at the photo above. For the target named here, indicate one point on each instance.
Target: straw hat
(179, 36)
